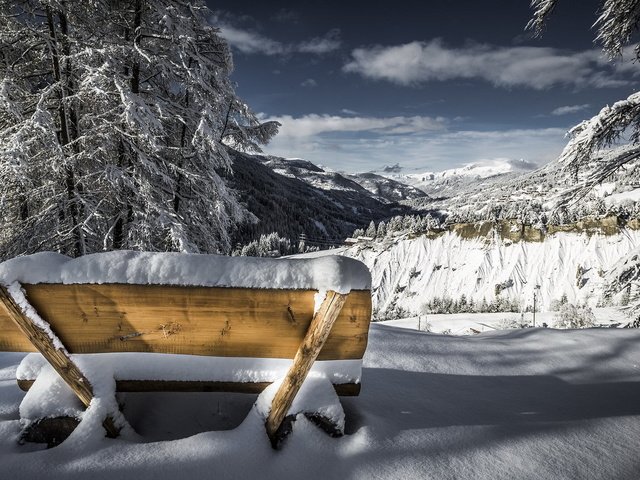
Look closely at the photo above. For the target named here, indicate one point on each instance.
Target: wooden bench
(61, 319)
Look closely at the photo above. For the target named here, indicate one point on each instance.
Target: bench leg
(307, 353)
(50, 346)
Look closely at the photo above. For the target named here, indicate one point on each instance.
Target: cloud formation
(397, 168)
(569, 109)
(309, 83)
(252, 42)
(314, 124)
(284, 15)
(419, 143)
(514, 66)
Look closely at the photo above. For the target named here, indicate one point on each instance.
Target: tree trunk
(124, 159)
(183, 139)
(64, 137)
(226, 121)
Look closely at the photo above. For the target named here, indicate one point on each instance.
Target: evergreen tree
(115, 118)
(616, 24)
(371, 230)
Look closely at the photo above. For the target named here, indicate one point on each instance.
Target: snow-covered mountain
(451, 181)
(381, 188)
(387, 188)
(548, 195)
(506, 232)
(288, 204)
(499, 233)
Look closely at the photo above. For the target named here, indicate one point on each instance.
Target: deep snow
(526, 404)
(165, 268)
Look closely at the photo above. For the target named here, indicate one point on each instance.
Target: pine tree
(371, 230)
(115, 121)
(616, 25)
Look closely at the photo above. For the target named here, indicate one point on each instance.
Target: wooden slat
(342, 389)
(307, 353)
(56, 357)
(188, 320)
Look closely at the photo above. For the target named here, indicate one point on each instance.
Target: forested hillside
(291, 206)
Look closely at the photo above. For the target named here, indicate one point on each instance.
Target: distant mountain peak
(381, 188)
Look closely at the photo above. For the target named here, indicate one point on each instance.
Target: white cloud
(252, 42)
(309, 83)
(418, 143)
(514, 66)
(569, 109)
(347, 111)
(313, 124)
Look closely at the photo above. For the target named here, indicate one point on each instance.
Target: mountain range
(294, 197)
(508, 231)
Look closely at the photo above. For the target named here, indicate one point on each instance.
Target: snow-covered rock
(409, 271)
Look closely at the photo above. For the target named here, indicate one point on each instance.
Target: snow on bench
(188, 322)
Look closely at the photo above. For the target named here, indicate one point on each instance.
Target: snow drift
(534, 404)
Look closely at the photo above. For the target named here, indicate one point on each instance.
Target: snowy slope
(527, 404)
(408, 272)
(548, 195)
(451, 181)
(381, 188)
(387, 188)
(291, 206)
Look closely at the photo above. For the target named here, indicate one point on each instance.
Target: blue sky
(430, 85)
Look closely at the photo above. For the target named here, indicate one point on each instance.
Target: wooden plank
(307, 353)
(189, 320)
(56, 357)
(342, 389)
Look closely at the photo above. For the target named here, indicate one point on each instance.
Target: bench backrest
(214, 321)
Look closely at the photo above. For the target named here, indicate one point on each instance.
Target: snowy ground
(532, 403)
(473, 323)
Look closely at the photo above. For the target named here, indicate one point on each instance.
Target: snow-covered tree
(271, 245)
(616, 25)
(573, 316)
(115, 122)
(371, 230)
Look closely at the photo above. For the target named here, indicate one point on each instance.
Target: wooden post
(58, 358)
(307, 353)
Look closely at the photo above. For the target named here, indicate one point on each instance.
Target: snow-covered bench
(180, 322)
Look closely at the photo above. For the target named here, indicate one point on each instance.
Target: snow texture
(49, 397)
(18, 295)
(316, 396)
(533, 404)
(147, 268)
(160, 366)
(568, 264)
